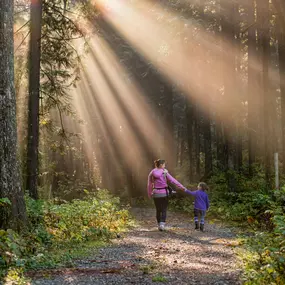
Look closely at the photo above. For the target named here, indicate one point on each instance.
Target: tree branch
(22, 41)
(58, 108)
(22, 27)
(22, 11)
(56, 8)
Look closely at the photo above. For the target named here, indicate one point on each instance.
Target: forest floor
(144, 255)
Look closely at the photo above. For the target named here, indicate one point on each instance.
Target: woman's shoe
(201, 227)
(161, 226)
(158, 226)
(196, 226)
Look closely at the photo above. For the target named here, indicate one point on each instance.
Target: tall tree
(265, 39)
(168, 132)
(282, 84)
(206, 118)
(10, 182)
(34, 99)
(238, 89)
(219, 124)
(252, 87)
(207, 145)
(189, 122)
(229, 77)
(281, 50)
(197, 132)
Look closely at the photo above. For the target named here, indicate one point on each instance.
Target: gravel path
(179, 255)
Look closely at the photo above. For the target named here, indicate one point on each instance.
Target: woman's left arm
(149, 185)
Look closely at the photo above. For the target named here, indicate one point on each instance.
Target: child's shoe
(196, 226)
(201, 227)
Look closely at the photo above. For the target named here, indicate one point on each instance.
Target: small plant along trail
(144, 255)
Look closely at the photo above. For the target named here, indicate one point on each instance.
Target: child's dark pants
(202, 215)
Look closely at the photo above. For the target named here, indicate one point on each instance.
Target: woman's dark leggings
(161, 208)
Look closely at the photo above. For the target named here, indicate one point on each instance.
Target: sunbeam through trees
(92, 92)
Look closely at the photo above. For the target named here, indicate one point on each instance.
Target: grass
(85, 249)
(159, 278)
(62, 256)
(60, 234)
(147, 269)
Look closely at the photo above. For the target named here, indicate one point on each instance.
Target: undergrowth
(60, 231)
(260, 214)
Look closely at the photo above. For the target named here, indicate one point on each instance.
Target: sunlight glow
(159, 35)
(125, 119)
(176, 47)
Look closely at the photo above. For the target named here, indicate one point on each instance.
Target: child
(201, 204)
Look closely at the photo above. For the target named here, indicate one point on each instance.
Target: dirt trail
(144, 255)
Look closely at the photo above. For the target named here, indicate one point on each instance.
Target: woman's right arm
(149, 184)
(174, 181)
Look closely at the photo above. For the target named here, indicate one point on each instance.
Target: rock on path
(179, 255)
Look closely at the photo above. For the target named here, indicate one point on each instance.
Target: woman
(157, 189)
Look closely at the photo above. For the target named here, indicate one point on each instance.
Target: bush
(52, 226)
(265, 263)
(180, 203)
(265, 215)
(96, 216)
(260, 212)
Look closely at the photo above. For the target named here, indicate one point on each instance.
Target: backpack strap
(164, 175)
(165, 171)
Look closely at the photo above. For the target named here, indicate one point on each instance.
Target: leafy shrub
(4, 202)
(81, 219)
(182, 203)
(263, 212)
(52, 226)
(266, 262)
(12, 247)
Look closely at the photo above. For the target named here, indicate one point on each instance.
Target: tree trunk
(229, 76)
(239, 91)
(189, 122)
(34, 96)
(179, 145)
(282, 88)
(169, 145)
(219, 125)
(252, 89)
(197, 141)
(13, 216)
(182, 148)
(206, 110)
(265, 38)
(220, 144)
(207, 145)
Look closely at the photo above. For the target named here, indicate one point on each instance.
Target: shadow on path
(145, 255)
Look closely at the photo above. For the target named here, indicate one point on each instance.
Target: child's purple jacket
(201, 199)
